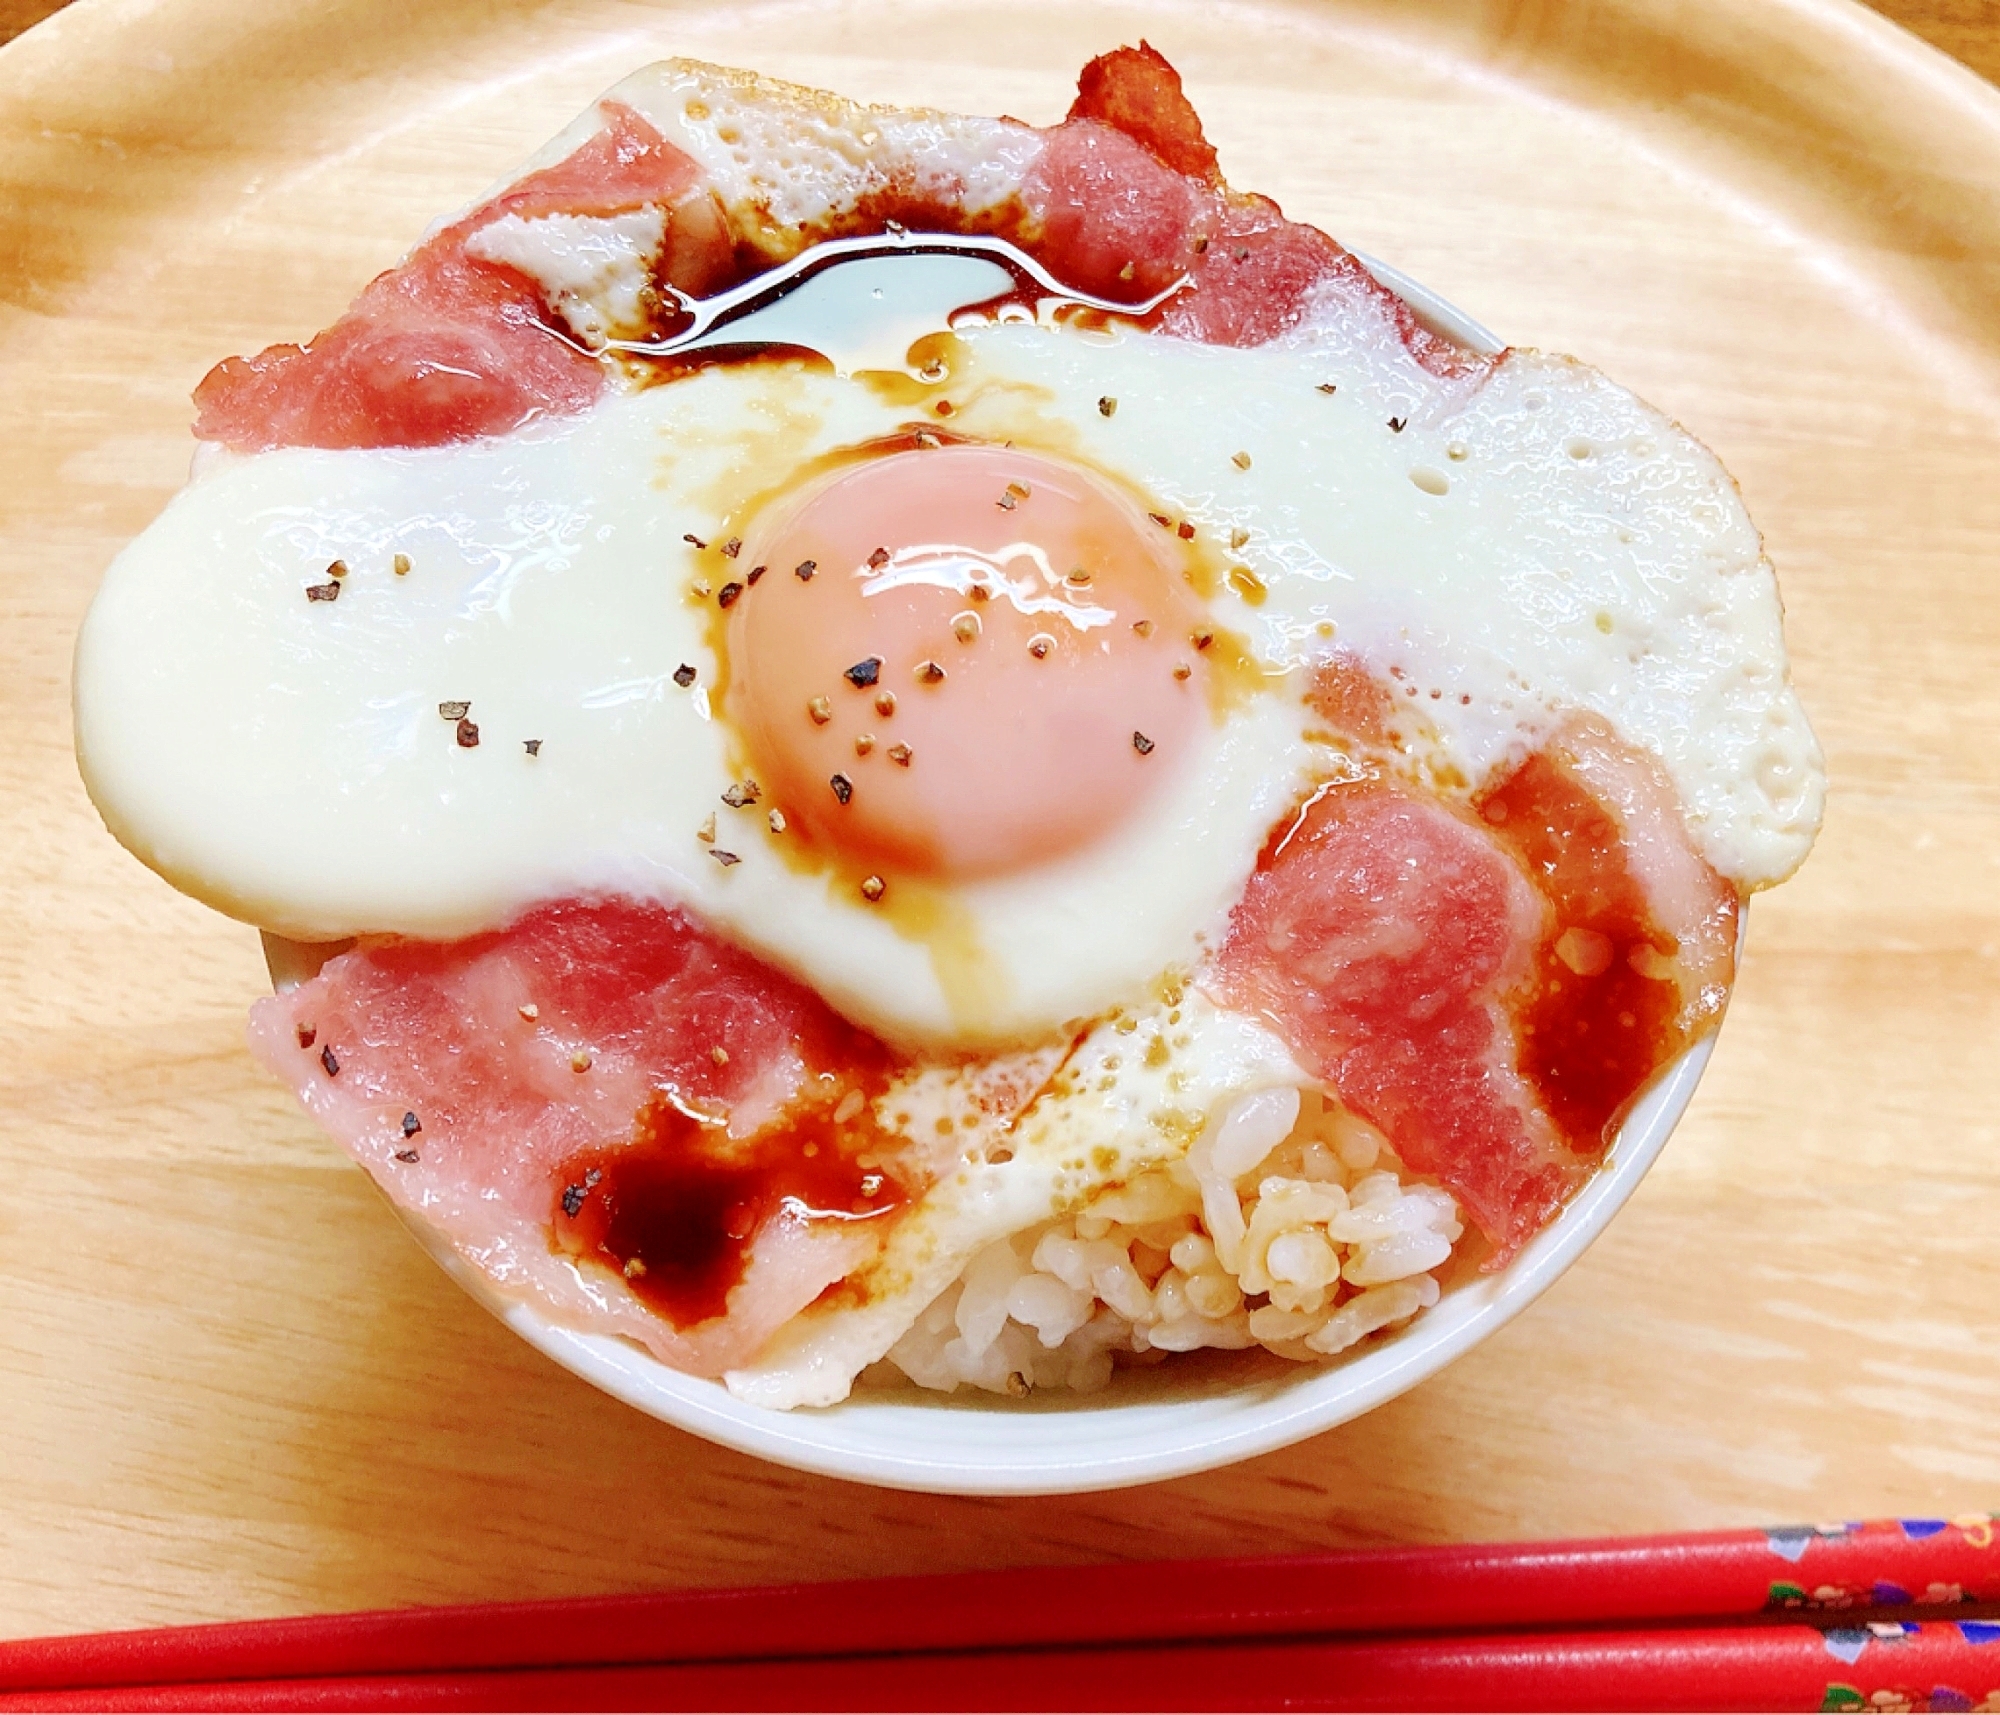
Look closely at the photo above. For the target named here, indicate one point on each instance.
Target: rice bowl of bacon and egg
(1103, 1145)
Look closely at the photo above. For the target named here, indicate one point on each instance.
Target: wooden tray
(230, 1385)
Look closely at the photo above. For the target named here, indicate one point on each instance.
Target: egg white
(1135, 1091)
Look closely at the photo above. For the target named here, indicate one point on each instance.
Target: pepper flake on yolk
(1025, 617)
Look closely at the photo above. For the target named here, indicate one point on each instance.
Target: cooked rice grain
(1286, 1226)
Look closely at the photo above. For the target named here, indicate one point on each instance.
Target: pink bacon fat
(483, 1082)
(446, 346)
(1490, 982)
(1120, 199)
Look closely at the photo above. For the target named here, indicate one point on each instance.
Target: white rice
(1287, 1226)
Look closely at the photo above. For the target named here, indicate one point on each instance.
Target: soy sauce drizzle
(728, 318)
(1593, 1030)
(677, 1210)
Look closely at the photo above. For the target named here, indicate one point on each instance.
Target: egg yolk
(964, 660)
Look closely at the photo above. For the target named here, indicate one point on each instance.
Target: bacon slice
(1382, 939)
(561, 1041)
(1121, 199)
(445, 345)
(1135, 90)
(1491, 985)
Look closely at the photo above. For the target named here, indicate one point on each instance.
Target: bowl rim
(1015, 1448)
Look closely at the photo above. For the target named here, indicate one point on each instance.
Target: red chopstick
(1935, 1665)
(1641, 1581)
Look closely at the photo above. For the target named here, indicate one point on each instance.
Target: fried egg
(1010, 748)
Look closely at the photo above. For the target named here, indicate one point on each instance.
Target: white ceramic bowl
(1149, 1424)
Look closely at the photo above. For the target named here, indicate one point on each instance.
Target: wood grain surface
(230, 1385)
